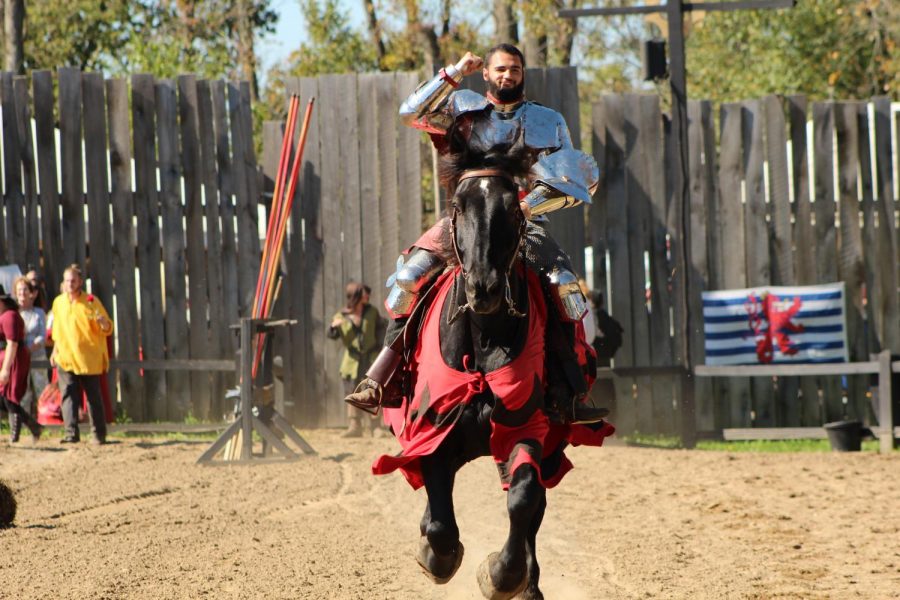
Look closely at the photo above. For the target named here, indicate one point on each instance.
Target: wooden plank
(332, 413)
(736, 403)
(45, 140)
(98, 202)
(701, 171)
(597, 210)
(197, 268)
(867, 344)
(409, 165)
(131, 385)
(775, 433)
(804, 239)
(756, 238)
(851, 268)
(219, 340)
(825, 231)
(177, 346)
(787, 400)
(785, 370)
(351, 218)
(13, 198)
(665, 418)
(885, 403)
(805, 261)
(392, 240)
(72, 198)
(367, 134)
(29, 171)
(149, 257)
(246, 200)
(226, 211)
(311, 312)
(782, 269)
(885, 301)
(619, 301)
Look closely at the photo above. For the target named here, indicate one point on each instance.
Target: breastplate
(541, 129)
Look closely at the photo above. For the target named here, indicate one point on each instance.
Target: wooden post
(247, 388)
(885, 404)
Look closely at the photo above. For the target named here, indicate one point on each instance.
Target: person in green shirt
(358, 325)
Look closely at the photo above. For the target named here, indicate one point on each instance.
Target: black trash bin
(845, 436)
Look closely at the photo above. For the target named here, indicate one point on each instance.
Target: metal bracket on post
(240, 433)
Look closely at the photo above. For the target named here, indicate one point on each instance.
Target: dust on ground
(139, 519)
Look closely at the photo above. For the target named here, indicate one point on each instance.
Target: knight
(560, 176)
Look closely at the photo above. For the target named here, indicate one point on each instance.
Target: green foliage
(130, 36)
(673, 442)
(821, 48)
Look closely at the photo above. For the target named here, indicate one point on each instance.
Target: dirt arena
(138, 519)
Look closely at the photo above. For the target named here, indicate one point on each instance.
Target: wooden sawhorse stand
(246, 423)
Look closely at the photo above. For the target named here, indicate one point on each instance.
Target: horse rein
(523, 224)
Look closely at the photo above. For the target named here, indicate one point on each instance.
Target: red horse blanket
(520, 431)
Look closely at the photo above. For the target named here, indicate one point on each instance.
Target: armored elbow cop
(410, 279)
(420, 109)
(564, 178)
(567, 296)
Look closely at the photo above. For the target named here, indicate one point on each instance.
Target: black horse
(485, 324)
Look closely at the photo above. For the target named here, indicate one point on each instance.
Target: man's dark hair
(506, 49)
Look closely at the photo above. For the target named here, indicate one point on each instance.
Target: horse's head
(487, 223)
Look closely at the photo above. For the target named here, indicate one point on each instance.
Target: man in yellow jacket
(80, 328)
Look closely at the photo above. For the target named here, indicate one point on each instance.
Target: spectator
(15, 362)
(35, 335)
(81, 327)
(358, 326)
(37, 281)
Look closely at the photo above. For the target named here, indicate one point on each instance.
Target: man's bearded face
(505, 77)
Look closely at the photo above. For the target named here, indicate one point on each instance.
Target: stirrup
(362, 397)
(582, 414)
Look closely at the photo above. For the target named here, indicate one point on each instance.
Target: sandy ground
(139, 519)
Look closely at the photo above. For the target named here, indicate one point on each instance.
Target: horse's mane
(513, 159)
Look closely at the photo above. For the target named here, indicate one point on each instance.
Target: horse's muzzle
(484, 295)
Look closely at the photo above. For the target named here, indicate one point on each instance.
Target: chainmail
(542, 253)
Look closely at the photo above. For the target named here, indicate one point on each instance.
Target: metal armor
(562, 179)
(566, 293)
(561, 176)
(410, 278)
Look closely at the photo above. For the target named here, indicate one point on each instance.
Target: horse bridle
(523, 224)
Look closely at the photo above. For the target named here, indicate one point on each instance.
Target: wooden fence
(157, 198)
(154, 187)
(358, 206)
(770, 204)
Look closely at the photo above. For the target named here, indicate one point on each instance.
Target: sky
(290, 31)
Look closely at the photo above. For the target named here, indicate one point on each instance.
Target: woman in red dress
(15, 362)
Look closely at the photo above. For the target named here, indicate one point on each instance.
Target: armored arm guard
(422, 109)
(410, 280)
(566, 294)
(564, 178)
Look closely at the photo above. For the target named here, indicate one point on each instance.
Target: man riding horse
(560, 176)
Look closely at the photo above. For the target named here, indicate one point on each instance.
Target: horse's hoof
(422, 557)
(488, 589)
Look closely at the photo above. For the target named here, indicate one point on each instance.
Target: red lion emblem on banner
(780, 325)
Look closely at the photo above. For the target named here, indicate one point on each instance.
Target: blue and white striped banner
(773, 325)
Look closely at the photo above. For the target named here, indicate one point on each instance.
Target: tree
(14, 49)
(822, 48)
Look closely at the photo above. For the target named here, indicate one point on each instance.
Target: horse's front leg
(440, 551)
(503, 575)
(532, 591)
